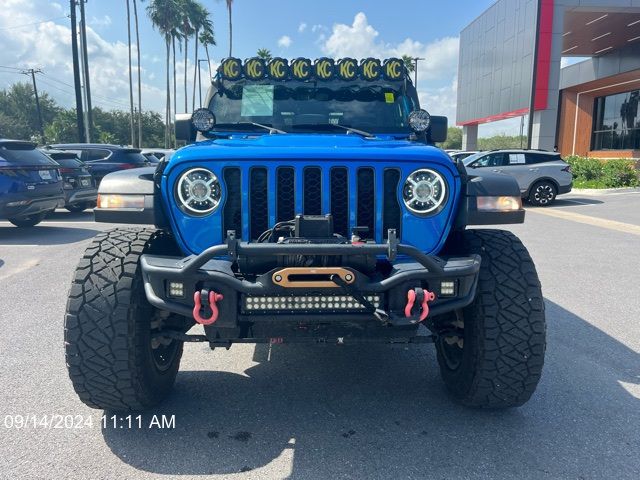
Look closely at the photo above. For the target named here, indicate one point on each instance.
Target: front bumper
(213, 269)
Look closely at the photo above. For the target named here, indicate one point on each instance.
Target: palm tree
(200, 22)
(264, 54)
(229, 5)
(131, 120)
(409, 62)
(135, 15)
(164, 15)
(185, 27)
(207, 38)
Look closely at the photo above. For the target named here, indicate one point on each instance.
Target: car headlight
(424, 192)
(198, 191)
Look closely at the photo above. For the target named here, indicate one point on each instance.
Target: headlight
(198, 191)
(424, 191)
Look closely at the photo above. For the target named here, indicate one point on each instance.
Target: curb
(604, 191)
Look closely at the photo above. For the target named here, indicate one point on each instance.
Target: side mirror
(184, 128)
(438, 130)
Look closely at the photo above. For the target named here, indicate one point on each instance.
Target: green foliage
(19, 120)
(18, 113)
(620, 173)
(264, 54)
(595, 173)
(454, 139)
(585, 168)
(502, 141)
(409, 62)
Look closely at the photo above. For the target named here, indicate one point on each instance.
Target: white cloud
(437, 82)
(319, 28)
(360, 39)
(285, 41)
(100, 22)
(48, 46)
(302, 27)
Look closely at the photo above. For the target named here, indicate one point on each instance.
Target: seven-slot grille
(355, 196)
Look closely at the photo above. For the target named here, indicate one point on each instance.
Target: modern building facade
(591, 108)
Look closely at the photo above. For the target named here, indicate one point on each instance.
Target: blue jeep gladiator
(311, 205)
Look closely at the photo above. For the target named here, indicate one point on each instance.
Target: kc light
(203, 119)
(419, 120)
(424, 191)
(198, 191)
(499, 204)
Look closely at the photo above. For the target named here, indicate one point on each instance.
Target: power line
(105, 102)
(34, 23)
(107, 99)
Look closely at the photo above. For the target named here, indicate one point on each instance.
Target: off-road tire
(108, 325)
(543, 194)
(30, 221)
(504, 327)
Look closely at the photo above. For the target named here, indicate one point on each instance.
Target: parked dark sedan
(80, 190)
(102, 159)
(30, 184)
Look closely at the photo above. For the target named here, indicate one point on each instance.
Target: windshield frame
(404, 87)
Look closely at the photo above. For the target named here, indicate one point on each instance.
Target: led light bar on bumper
(305, 303)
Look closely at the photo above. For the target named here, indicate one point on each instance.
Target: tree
(229, 5)
(501, 141)
(454, 139)
(131, 120)
(135, 16)
(207, 38)
(264, 54)
(18, 113)
(200, 22)
(409, 62)
(185, 27)
(164, 15)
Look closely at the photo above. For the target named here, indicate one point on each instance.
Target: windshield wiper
(248, 124)
(333, 126)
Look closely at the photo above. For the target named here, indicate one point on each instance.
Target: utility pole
(415, 71)
(33, 72)
(76, 73)
(87, 83)
(84, 91)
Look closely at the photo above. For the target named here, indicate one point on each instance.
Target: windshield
(24, 154)
(469, 160)
(297, 106)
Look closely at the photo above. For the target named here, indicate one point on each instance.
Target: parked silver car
(541, 175)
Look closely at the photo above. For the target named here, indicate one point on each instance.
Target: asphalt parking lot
(354, 412)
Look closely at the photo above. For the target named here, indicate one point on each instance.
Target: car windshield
(469, 160)
(298, 106)
(23, 154)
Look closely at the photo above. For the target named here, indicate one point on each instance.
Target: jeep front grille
(355, 196)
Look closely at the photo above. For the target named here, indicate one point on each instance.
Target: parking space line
(589, 220)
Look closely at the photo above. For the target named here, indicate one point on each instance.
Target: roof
(67, 146)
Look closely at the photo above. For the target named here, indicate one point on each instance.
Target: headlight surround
(424, 192)
(198, 191)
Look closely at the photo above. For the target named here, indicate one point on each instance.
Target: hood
(318, 146)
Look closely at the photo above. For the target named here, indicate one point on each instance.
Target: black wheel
(491, 352)
(113, 361)
(78, 207)
(543, 193)
(30, 221)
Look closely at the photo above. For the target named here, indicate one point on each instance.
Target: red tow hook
(213, 298)
(412, 295)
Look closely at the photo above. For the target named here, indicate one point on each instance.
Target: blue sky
(289, 28)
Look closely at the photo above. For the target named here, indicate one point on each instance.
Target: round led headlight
(198, 191)
(424, 192)
(419, 120)
(203, 119)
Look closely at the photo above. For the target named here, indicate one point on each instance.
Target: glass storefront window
(616, 124)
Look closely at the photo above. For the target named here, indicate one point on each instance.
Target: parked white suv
(541, 175)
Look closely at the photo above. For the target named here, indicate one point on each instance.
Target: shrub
(619, 173)
(585, 168)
